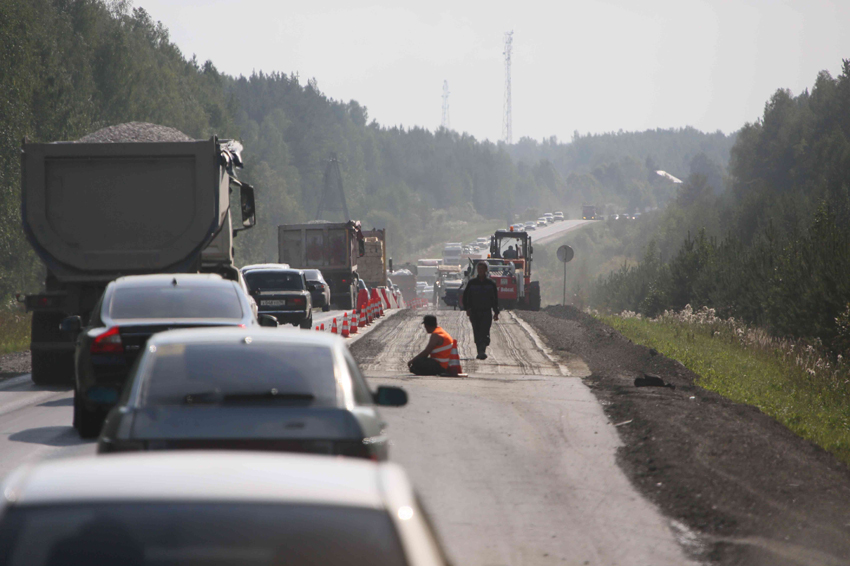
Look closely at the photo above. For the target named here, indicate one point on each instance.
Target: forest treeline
(69, 67)
(774, 248)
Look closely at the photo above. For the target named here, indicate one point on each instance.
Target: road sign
(565, 253)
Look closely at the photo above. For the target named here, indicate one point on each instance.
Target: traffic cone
(454, 363)
(353, 328)
(345, 332)
(323, 327)
(334, 328)
(317, 328)
(370, 312)
(361, 320)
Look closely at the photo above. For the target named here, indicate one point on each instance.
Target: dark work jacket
(481, 295)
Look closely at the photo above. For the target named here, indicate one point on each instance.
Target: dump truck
(97, 210)
(332, 248)
(372, 267)
(588, 212)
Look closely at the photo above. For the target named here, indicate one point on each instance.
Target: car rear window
(215, 372)
(200, 534)
(274, 281)
(175, 301)
(313, 275)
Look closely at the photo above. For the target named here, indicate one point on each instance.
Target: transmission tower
(333, 196)
(507, 133)
(445, 123)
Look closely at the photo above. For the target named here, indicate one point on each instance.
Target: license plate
(277, 303)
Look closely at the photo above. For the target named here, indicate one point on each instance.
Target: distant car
(550, 218)
(283, 294)
(542, 222)
(248, 389)
(128, 313)
(531, 225)
(320, 291)
(559, 216)
(222, 508)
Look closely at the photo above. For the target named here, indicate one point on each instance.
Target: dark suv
(320, 291)
(283, 294)
(132, 309)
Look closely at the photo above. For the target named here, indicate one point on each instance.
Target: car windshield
(175, 301)
(200, 534)
(274, 281)
(313, 275)
(216, 372)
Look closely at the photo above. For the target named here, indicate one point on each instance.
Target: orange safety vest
(442, 353)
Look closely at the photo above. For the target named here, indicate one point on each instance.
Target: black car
(320, 291)
(283, 294)
(244, 389)
(132, 309)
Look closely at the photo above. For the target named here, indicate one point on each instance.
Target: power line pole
(507, 127)
(445, 123)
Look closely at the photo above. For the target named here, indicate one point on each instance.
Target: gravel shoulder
(745, 489)
(14, 364)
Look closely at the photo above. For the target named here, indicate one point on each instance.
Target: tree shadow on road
(49, 436)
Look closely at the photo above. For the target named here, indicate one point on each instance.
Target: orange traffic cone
(454, 363)
(352, 328)
(323, 327)
(345, 332)
(317, 328)
(334, 328)
(370, 312)
(361, 320)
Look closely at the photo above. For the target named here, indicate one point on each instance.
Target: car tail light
(297, 300)
(108, 343)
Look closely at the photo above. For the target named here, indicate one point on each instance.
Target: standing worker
(434, 359)
(479, 298)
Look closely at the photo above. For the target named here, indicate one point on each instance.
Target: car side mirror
(247, 204)
(71, 324)
(390, 396)
(267, 320)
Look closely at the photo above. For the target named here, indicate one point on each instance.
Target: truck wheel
(50, 368)
(88, 423)
(326, 307)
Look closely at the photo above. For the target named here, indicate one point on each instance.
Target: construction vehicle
(94, 211)
(332, 248)
(502, 272)
(588, 212)
(516, 248)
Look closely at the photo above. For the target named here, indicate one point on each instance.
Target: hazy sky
(591, 66)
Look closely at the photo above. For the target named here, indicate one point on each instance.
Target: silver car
(221, 508)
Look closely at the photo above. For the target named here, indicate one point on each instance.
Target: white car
(542, 221)
(559, 216)
(550, 218)
(222, 508)
(530, 226)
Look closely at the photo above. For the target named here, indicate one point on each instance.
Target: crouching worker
(434, 359)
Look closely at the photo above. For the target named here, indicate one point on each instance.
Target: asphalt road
(516, 463)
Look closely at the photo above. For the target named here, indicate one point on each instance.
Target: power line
(445, 123)
(507, 126)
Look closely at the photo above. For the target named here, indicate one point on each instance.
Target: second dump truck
(333, 248)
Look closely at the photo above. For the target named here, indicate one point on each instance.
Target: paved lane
(517, 462)
(35, 423)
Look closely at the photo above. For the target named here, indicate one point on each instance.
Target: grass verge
(14, 331)
(815, 404)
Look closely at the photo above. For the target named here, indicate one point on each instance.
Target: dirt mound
(753, 492)
(135, 132)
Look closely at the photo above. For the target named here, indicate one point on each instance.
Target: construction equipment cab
(515, 247)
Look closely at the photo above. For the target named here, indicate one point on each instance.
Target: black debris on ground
(753, 492)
